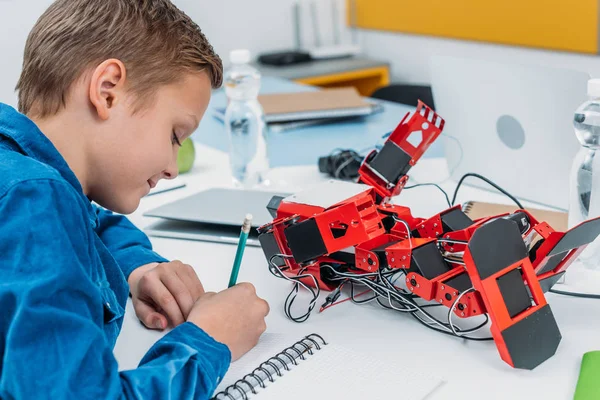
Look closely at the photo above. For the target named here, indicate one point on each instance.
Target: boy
(109, 90)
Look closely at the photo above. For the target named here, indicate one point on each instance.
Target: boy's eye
(176, 140)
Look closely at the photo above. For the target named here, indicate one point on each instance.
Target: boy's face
(134, 151)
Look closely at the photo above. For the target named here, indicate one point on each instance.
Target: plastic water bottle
(245, 123)
(584, 201)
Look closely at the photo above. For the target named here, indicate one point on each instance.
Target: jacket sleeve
(53, 320)
(128, 245)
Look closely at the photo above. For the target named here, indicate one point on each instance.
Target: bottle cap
(240, 56)
(593, 88)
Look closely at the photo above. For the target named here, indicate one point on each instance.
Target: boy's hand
(234, 317)
(164, 293)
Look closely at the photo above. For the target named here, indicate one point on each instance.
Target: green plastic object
(588, 385)
(186, 156)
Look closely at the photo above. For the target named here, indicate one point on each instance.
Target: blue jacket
(63, 289)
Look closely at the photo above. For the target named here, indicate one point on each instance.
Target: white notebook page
(335, 372)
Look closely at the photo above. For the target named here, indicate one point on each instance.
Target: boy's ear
(107, 86)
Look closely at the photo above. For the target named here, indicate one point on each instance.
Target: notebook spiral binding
(466, 207)
(272, 368)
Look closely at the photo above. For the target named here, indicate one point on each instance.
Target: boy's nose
(172, 170)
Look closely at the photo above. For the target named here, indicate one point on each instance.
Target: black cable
(575, 294)
(432, 184)
(407, 298)
(353, 299)
(291, 297)
(341, 164)
(483, 178)
(403, 300)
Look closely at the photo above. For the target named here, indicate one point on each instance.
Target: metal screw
(364, 260)
(440, 300)
(417, 285)
(463, 314)
(422, 226)
(369, 255)
(403, 258)
(393, 260)
(447, 236)
(386, 253)
(443, 287)
(435, 225)
(411, 288)
(451, 248)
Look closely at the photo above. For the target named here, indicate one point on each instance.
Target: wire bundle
(341, 164)
(383, 291)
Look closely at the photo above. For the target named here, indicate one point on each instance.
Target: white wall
(17, 17)
(231, 24)
(409, 54)
(261, 25)
(258, 25)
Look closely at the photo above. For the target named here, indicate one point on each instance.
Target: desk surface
(304, 146)
(320, 68)
(473, 370)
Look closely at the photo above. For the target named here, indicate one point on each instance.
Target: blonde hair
(154, 39)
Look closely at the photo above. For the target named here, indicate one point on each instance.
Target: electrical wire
(575, 294)
(297, 280)
(406, 302)
(483, 178)
(435, 185)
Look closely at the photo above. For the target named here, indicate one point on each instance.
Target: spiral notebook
(480, 209)
(314, 368)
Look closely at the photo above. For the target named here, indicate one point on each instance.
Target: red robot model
(497, 267)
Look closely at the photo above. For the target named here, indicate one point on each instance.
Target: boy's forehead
(190, 94)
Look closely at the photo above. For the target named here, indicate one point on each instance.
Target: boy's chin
(124, 205)
(128, 206)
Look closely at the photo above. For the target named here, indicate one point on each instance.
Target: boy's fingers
(180, 292)
(161, 296)
(191, 280)
(149, 316)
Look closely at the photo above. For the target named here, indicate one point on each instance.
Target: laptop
(512, 124)
(213, 215)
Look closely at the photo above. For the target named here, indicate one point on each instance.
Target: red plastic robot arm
(386, 170)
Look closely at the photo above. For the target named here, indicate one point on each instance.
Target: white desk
(473, 370)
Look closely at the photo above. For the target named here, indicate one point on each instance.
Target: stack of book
(287, 111)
